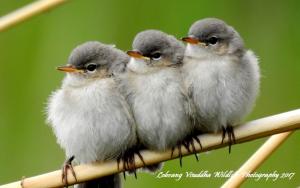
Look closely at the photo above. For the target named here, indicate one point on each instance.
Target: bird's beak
(191, 40)
(137, 54)
(69, 68)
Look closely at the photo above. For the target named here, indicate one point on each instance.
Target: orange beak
(136, 54)
(191, 40)
(69, 68)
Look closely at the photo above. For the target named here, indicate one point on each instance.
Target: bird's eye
(212, 40)
(91, 67)
(156, 56)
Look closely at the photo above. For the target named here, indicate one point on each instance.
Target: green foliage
(30, 51)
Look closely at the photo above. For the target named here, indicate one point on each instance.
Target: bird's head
(213, 36)
(153, 50)
(95, 60)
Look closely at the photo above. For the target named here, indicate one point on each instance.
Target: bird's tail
(112, 181)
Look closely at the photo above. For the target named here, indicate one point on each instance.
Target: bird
(221, 75)
(155, 92)
(90, 118)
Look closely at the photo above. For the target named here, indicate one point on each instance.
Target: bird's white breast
(92, 122)
(223, 89)
(158, 103)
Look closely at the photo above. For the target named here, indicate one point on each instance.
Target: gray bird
(90, 118)
(154, 89)
(222, 77)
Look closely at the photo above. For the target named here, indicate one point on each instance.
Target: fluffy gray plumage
(89, 117)
(155, 91)
(222, 77)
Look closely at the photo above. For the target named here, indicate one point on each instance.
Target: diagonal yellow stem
(27, 12)
(256, 160)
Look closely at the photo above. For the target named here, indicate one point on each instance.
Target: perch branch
(27, 12)
(256, 159)
(267, 126)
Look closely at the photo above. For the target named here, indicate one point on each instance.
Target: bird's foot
(128, 161)
(228, 130)
(187, 143)
(68, 165)
(178, 146)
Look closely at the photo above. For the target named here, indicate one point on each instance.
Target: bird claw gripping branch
(68, 165)
(231, 137)
(128, 160)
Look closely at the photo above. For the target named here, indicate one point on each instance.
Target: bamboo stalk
(267, 126)
(27, 12)
(256, 160)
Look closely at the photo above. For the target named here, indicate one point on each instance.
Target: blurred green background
(30, 52)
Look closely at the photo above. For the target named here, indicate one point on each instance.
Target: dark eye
(156, 56)
(91, 67)
(212, 40)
